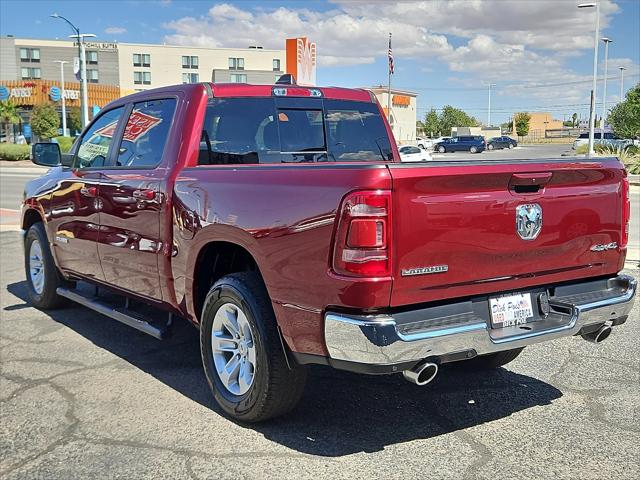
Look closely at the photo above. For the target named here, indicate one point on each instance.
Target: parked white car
(428, 143)
(609, 139)
(409, 153)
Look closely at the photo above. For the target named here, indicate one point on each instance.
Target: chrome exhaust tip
(422, 373)
(599, 335)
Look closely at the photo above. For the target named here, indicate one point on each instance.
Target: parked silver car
(609, 139)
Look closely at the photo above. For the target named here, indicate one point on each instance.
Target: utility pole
(603, 118)
(489, 107)
(62, 94)
(592, 109)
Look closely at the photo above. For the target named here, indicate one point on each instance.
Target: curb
(634, 179)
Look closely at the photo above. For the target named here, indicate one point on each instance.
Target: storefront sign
(401, 100)
(99, 45)
(301, 60)
(55, 94)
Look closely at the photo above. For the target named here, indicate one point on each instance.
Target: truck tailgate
(456, 233)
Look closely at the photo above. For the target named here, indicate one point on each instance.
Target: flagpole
(389, 87)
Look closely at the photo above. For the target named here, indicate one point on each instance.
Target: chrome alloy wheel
(233, 349)
(36, 267)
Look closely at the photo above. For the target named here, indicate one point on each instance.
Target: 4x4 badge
(528, 220)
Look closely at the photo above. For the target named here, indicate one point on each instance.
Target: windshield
(285, 130)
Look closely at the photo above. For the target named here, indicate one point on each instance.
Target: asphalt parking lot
(521, 152)
(83, 396)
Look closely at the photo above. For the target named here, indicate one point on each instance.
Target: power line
(512, 84)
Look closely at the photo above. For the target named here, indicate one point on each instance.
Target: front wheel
(242, 354)
(511, 145)
(490, 146)
(43, 277)
(473, 149)
(442, 149)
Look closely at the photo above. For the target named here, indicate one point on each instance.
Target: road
(82, 396)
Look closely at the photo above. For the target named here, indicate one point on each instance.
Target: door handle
(144, 194)
(89, 191)
(529, 182)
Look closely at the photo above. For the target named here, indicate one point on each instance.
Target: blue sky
(539, 53)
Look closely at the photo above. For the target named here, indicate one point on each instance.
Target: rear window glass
(257, 130)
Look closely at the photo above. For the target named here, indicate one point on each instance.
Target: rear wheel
(43, 277)
(493, 360)
(242, 353)
(442, 149)
(490, 146)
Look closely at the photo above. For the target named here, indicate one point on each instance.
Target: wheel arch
(30, 217)
(214, 260)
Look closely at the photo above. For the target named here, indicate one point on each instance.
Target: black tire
(276, 389)
(511, 145)
(490, 146)
(493, 360)
(47, 298)
(473, 150)
(442, 150)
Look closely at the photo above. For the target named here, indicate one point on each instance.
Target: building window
(30, 54)
(142, 78)
(238, 78)
(189, 62)
(236, 63)
(276, 64)
(30, 73)
(190, 78)
(92, 76)
(92, 58)
(141, 60)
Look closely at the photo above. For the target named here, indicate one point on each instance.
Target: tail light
(626, 212)
(363, 235)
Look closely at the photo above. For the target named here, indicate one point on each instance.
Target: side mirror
(46, 154)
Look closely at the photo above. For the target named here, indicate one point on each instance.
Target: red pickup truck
(280, 221)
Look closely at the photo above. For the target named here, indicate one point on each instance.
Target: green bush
(12, 152)
(65, 143)
(582, 149)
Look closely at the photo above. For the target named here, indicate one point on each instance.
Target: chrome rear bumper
(390, 340)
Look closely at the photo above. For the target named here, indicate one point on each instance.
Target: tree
(521, 120)
(624, 118)
(8, 116)
(45, 121)
(74, 123)
(431, 123)
(574, 120)
(454, 117)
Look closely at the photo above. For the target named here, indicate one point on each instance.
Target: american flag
(390, 57)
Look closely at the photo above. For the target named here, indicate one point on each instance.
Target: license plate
(510, 310)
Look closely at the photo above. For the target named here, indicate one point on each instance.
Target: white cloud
(115, 30)
(517, 44)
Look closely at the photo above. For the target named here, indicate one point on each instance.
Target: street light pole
(622, 69)
(84, 104)
(592, 109)
(489, 106)
(603, 118)
(64, 109)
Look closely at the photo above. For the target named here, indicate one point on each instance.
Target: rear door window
(146, 133)
(263, 130)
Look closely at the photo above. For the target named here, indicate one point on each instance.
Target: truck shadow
(340, 413)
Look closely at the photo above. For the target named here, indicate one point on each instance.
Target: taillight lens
(626, 212)
(363, 234)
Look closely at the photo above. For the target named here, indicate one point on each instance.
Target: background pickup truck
(281, 223)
